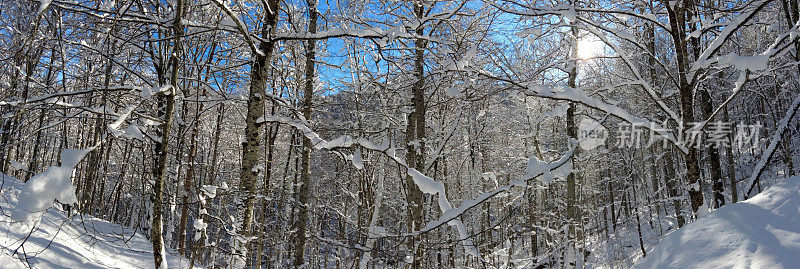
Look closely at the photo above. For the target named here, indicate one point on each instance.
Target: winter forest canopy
(391, 134)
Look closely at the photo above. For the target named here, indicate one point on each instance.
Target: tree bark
(251, 148)
(305, 173)
(415, 136)
(572, 133)
(713, 155)
(161, 147)
(677, 18)
(731, 168)
(672, 187)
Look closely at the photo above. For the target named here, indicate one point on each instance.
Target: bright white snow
(53, 184)
(761, 232)
(78, 242)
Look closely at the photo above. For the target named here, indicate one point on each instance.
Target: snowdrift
(57, 241)
(761, 232)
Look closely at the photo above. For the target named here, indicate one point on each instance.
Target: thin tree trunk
(613, 206)
(33, 164)
(731, 168)
(187, 184)
(305, 173)
(156, 236)
(572, 132)
(713, 155)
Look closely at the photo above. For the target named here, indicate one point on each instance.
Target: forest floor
(761, 232)
(57, 241)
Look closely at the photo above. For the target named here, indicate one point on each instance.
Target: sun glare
(589, 48)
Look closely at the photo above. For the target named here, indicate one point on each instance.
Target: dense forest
(391, 134)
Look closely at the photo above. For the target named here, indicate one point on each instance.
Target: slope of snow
(761, 232)
(57, 241)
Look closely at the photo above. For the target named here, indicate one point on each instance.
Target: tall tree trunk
(117, 192)
(187, 182)
(415, 136)
(162, 146)
(572, 133)
(199, 248)
(87, 203)
(251, 149)
(190, 172)
(731, 168)
(650, 34)
(677, 18)
(272, 135)
(305, 173)
(33, 164)
(713, 154)
(613, 206)
(637, 213)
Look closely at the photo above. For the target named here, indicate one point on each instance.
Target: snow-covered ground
(56, 241)
(761, 232)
